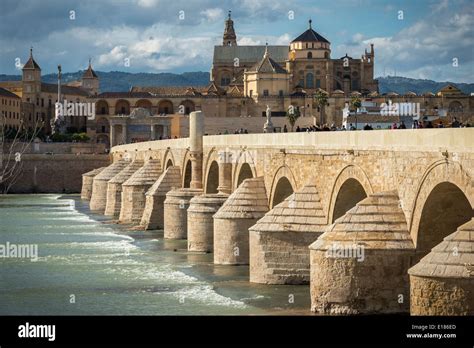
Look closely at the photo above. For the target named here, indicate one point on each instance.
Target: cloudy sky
(422, 41)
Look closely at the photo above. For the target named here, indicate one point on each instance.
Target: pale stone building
(10, 110)
(38, 98)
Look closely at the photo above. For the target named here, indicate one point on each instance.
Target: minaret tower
(229, 38)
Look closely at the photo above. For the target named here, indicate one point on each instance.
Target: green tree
(355, 104)
(320, 99)
(292, 115)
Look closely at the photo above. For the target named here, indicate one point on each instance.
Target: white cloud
(284, 39)
(425, 49)
(147, 3)
(248, 41)
(261, 40)
(213, 14)
(440, 6)
(116, 56)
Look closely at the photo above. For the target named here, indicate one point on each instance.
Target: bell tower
(229, 38)
(31, 79)
(90, 80)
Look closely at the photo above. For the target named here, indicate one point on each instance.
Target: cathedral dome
(310, 36)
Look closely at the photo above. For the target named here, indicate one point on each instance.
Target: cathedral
(282, 70)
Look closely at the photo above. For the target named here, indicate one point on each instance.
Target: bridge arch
(168, 159)
(444, 201)
(283, 185)
(212, 178)
(211, 171)
(186, 170)
(243, 169)
(351, 186)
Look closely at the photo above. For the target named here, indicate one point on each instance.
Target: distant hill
(402, 85)
(117, 81)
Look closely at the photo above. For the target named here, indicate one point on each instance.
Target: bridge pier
(279, 242)
(359, 265)
(175, 212)
(201, 221)
(87, 180)
(114, 188)
(99, 185)
(153, 216)
(240, 211)
(225, 173)
(177, 201)
(442, 283)
(134, 189)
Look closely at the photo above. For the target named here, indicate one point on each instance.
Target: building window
(42, 102)
(310, 55)
(318, 83)
(309, 80)
(49, 102)
(225, 80)
(326, 55)
(265, 92)
(251, 92)
(280, 93)
(355, 84)
(37, 101)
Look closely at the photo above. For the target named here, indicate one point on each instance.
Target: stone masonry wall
(55, 173)
(452, 296)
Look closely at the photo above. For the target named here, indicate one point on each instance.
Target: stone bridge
(359, 215)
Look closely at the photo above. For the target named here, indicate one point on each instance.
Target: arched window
(310, 55)
(455, 106)
(309, 80)
(225, 80)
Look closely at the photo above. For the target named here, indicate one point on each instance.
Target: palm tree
(292, 115)
(355, 103)
(320, 99)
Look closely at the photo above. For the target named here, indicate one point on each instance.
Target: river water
(89, 265)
